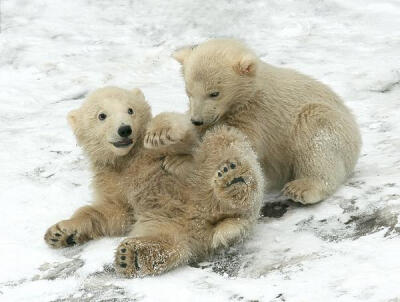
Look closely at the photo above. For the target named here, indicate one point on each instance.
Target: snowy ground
(52, 52)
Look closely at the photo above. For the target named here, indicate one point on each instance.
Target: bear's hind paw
(139, 257)
(305, 191)
(231, 182)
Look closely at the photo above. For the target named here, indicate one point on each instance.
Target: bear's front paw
(161, 137)
(144, 256)
(232, 183)
(62, 234)
(177, 165)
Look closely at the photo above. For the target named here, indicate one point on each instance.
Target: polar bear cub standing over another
(305, 137)
(169, 222)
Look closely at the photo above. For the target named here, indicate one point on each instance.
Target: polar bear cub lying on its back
(168, 221)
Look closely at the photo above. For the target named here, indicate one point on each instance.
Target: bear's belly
(154, 189)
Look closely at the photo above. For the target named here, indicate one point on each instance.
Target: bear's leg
(88, 223)
(230, 230)
(154, 248)
(325, 148)
(230, 170)
(237, 183)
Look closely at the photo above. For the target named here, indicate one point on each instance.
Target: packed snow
(54, 52)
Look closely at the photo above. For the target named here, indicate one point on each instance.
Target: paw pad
(234, 183)
(225, 172)
(58, 236)
(71, 240)
(236, 180)
(138, 257)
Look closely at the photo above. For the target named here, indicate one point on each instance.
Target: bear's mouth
(123, 143)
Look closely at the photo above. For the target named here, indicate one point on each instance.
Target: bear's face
(110, 122)
(210, 89)
(216, 73)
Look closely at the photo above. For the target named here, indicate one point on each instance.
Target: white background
(53, 52)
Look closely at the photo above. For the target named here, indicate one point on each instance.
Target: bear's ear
(73, 117)
(138, 92)
(183, 53)
(246, 65)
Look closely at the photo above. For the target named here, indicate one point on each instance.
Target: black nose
(125, 131)
(196, 123)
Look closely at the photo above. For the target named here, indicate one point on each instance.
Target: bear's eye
(130, 111)
(102, 116)
(214, 94)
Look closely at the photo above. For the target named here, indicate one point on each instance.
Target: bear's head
(110, 122)
(217, 74)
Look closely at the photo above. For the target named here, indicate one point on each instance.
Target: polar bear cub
(305, 137)
(168, 221)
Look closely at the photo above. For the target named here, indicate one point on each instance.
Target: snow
(53, 52)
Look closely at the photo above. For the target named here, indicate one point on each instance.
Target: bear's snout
(124, 130)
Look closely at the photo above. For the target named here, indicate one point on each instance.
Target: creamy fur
(305, 137)
(168, 221)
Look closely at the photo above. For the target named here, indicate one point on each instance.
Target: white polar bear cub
(305, 137)
(169, 222)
